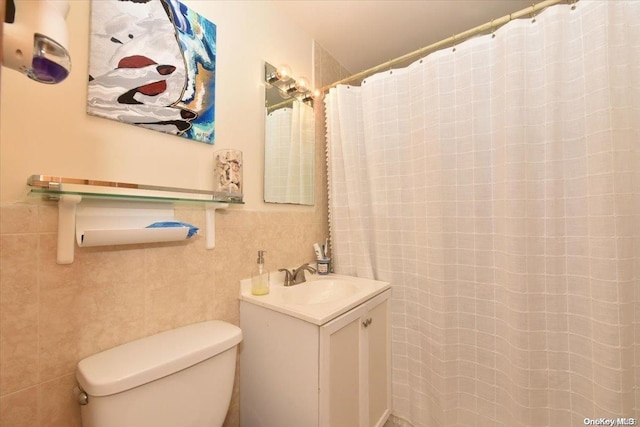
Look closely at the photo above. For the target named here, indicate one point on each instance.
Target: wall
(45, 128)
(52, 316)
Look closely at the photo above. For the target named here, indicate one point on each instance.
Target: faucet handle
(288, 276)
(303, 267)
(298, 274)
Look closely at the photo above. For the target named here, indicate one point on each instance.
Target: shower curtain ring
(454, 43)
(421, 54)
(533, 13)
(493, 30)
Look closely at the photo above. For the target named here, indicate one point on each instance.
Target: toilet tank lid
(139, 362)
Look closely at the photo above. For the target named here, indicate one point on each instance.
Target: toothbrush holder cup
(324, 266)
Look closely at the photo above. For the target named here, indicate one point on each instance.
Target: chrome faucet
(296, 276)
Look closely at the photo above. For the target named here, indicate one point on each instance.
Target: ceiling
(361, 34)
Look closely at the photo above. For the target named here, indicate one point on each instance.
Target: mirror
(289, 140)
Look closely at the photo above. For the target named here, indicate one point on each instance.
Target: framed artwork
(152, 63)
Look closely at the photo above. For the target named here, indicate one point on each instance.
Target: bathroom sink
(319, 291)
(318, 300)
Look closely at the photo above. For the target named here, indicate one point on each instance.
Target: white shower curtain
(497, 187)
(277, 147)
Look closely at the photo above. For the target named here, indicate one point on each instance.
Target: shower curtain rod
(451, 41)
(285, 103)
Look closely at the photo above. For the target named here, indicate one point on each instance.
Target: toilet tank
(182, 377)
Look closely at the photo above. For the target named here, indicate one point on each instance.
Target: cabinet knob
(366, 322)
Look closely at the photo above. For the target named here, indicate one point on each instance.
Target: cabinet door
(355, 370)
(341, 371)
(378, 336)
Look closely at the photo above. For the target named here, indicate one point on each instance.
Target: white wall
(45, 129)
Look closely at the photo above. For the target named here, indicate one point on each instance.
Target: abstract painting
(152, 64)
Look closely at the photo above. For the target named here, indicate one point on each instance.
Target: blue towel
(164, 224)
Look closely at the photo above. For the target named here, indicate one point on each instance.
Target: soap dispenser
(260, 278)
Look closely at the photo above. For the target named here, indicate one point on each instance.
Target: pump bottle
(260, 278)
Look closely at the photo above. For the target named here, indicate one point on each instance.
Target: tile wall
(54, 315)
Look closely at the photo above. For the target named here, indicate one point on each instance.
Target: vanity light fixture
(300, 88)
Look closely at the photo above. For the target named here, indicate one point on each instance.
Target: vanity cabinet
(296, 373)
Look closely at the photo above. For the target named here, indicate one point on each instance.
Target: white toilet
(178, 378)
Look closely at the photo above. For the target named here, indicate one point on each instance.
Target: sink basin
(318, 300)
(318, 291)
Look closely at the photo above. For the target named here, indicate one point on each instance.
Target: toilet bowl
(178, 378)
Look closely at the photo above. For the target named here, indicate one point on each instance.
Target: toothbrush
(318, 251)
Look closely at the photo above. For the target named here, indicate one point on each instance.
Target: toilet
(178, 378)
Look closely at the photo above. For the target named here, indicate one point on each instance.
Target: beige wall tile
(180, 303)
(18, 312)
(78, 322)
(19, 409)
(92, 267)
(19, 219)
(48, 217)
(175, 263)
(58, 404)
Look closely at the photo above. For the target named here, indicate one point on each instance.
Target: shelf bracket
(67, 227)
(210, 223)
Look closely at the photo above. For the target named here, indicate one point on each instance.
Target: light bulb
(302, 84)
(283, 73)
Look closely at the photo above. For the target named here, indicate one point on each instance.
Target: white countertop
(341, 294)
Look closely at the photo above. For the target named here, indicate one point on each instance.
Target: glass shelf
(51, 194)
(53, 187)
